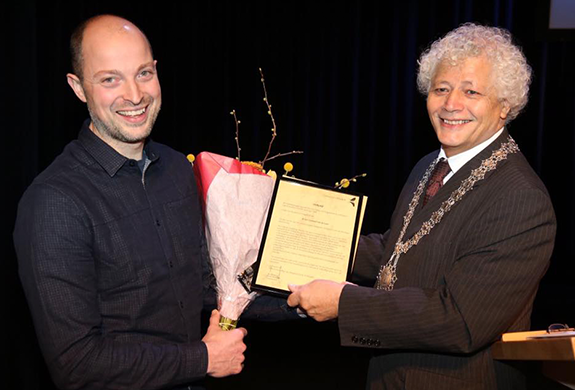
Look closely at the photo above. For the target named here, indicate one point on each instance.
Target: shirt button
(181, 304)
(171, 264)
(132, 163)
(158, 222)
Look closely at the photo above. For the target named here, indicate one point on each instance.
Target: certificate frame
(352, 223)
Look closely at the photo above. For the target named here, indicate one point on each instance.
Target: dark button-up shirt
(110, 259)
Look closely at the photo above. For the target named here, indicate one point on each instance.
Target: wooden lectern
(556, 354)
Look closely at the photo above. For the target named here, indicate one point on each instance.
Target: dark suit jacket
(471, 279)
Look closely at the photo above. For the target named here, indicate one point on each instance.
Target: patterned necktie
(436, 181)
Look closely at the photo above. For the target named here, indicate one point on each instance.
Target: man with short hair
(470, 238)
(109, 238)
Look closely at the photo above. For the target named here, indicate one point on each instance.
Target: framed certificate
(311, 233)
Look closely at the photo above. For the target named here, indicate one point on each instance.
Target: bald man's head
(97, 24)
(116, 77)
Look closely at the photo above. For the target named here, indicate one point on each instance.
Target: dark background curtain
(341, 79)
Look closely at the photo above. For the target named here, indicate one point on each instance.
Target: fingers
(243, 330)
(294, 298)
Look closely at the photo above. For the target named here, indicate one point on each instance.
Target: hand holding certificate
(319, 299)
(311, 233)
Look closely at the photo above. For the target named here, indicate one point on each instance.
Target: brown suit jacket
(471, 279)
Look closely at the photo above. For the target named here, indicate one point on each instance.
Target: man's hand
(225, 348)
(319, 299)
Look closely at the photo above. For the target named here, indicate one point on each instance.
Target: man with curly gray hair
(497, 80)
(470, 239)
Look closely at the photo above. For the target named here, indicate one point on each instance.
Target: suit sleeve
(54, 247)
(502, 255)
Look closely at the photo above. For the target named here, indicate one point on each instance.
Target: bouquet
(236, 196)
(236, 199)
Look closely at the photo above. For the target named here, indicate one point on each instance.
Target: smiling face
(463, 106)
(120, 83)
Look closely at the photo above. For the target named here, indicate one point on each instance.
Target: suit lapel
(423, 214)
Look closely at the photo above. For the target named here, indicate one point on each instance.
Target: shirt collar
(459, 160)
(104, 154)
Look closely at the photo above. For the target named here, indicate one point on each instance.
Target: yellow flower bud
(344, 183)
(288, 167)
(253, 165)
(191, 158)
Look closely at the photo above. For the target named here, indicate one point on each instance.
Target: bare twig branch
(344, 183)
(274, 128)
(260, 164)
(237, 133)
(285, 154)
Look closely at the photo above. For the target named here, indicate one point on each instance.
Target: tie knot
(441, 170)
(436, 180)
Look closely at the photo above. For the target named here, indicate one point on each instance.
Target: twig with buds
(237, 133)
(270, 113)
(285, 154)
(344, 183)
(260, 165)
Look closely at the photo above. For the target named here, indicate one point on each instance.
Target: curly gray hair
(512, 73)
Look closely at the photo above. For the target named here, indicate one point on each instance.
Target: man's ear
(505, 110)
(76, 85)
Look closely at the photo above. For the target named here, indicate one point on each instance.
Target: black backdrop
(341, 79)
